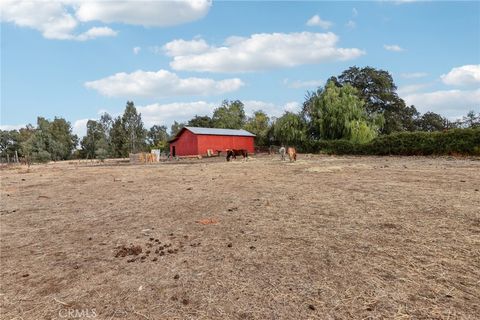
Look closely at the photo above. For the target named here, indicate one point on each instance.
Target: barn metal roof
(215, 131)
(220, 132)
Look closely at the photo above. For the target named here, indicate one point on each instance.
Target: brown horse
(233, 153)
(292, 154)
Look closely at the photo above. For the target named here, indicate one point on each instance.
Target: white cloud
(181, 47)
(462, 76)
(297, 84)
(159, 84)
(351, 24)
(95, 33)
(80, 127)
(165, 114)
(450, 103)
(393, 47)
(271, 109)
(8, 127)
(260, 52)
(316, 21)
(293, 106)
(50, 18)
(354, 12)
(411, 88)
(146, 13)
(60, 19)
(414, 75)
(136, 50)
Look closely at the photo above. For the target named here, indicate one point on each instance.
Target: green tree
(133, 125)
(230, 115)
(471, 120)
(201, 121)
(310, 114)
(431, 121)
(106, 122)
(338, 113)
(118, 139)
(63, 139)
(259, 124)
(9, 144)
(290, 129)
(157, 137)
(50, 140)
(175, 128)
(378, 90)
(94, 140)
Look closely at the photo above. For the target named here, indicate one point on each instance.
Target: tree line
(357, 106)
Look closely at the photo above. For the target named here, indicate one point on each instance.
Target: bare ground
(325, 237)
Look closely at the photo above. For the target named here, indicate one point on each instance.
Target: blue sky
(76, 59)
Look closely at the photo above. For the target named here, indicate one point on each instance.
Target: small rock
(155, 259)
(252, 247)
(76, 266)
(176, 277)
(311, 307)
(185, 301)
(229, 245)
(476, 189)
(143, 257)
(156, 240)
(190, 188)
(463, 181)
(25, 275)
(89, 238)
(151, 239)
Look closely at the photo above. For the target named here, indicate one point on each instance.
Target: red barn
(196, 141)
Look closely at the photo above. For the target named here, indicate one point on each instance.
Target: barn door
(173, 151)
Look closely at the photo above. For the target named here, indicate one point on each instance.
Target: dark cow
(233, 153)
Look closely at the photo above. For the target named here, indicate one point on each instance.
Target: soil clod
(128, 251)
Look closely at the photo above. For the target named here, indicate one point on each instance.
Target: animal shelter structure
(207, 141)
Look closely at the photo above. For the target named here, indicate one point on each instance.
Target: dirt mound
(124, 251)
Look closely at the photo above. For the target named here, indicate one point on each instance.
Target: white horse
(282, 152)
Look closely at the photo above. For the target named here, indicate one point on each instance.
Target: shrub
(456, 141)
(101, 154)
(42, 156)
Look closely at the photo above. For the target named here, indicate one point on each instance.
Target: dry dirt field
(322, 238)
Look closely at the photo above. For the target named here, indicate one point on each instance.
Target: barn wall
(224, 142)
(185, 145)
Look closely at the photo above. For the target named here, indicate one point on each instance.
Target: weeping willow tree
(290, 129)
(338, 113)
